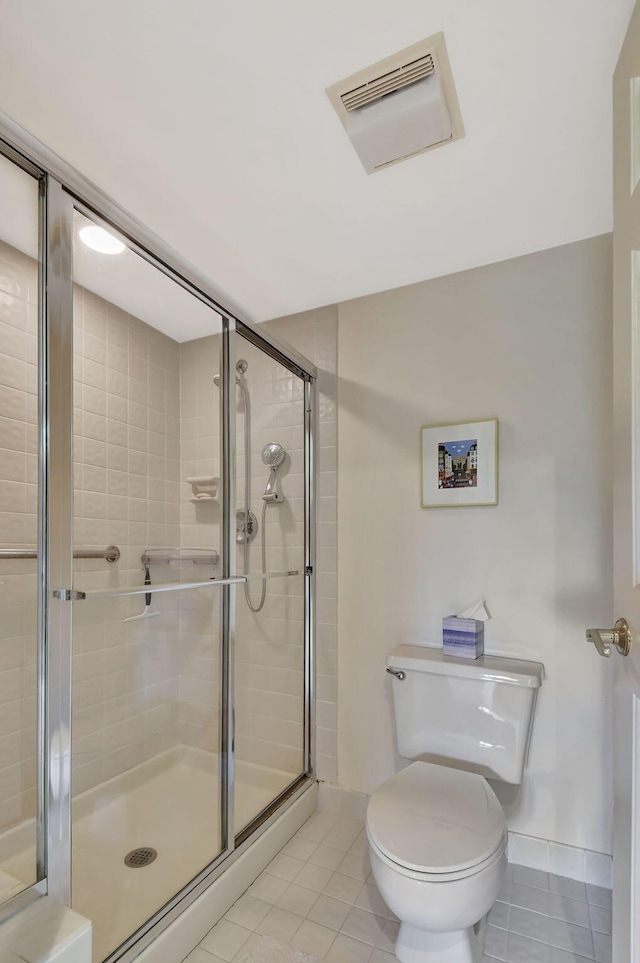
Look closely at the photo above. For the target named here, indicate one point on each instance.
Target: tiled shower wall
(199, 706)
(127, 490)
(18, 527)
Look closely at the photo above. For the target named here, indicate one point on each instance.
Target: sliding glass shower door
(270, 552)
(146, 725)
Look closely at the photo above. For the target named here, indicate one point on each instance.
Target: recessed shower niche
(187, 723)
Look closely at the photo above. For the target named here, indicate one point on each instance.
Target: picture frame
(459, 464)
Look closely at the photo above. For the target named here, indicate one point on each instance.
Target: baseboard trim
(543, 854)
(581, 864)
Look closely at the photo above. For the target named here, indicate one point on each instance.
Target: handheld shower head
(273, 456)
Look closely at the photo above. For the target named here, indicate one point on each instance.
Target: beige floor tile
(201, 956)
(360, 847)
(342, 887)
(279, 924)
(357, 866)
(297, 899)
(314, 832)
(327, 857)
(300, 848)
(248, 911)
(346, 950)
(252, 943)
(388, 937)
(225, 939)
(353, 826)
(323, 818)
(268, 888)
(364, 926)
(329, 912)
(379, 956)
(313, 938)
(285, 867)
(340, 839)
(369, 898)
(313, 877)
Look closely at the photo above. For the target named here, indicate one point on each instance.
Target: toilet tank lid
(488, 668)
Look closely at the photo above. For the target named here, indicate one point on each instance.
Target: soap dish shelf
(204, 488)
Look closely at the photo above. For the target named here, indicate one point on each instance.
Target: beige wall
(526, 341)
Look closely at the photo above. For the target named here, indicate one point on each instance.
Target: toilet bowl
(437, 839)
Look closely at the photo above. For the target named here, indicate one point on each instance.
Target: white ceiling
(123, 279)
(209, 122)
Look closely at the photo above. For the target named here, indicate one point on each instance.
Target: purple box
(463, 638)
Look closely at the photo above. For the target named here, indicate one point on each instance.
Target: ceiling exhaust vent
(388, 83)
(401, 106)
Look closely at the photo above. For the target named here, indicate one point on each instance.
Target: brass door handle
(603, 639)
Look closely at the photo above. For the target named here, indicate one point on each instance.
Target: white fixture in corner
(100, 240)
(400, 106)
(437, 833)
(204, 488)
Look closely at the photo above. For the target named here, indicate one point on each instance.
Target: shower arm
(270, 494)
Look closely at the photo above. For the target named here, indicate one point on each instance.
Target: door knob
(619, 636)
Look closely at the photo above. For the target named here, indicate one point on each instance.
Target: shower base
(171, 804)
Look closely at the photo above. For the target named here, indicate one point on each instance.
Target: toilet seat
(429, 821)
(427, 877)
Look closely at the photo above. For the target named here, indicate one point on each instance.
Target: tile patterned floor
(318, 896)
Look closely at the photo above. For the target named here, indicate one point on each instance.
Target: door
(626, 842)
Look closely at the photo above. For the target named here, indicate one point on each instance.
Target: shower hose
(263, 592)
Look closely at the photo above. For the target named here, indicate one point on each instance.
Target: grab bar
(111, 553)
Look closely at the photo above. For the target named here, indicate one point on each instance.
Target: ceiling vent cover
(388, 83)
(400, 106)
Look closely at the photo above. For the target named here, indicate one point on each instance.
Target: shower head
(273, 456)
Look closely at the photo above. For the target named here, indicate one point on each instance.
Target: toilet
(437, 832)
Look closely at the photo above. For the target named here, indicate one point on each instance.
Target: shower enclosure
(156, 564)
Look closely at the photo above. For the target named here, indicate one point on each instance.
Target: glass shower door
(146, 748)
(270, 661)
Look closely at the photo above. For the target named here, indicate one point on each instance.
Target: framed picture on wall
(459, 464)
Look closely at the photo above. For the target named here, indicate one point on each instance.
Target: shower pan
(177, 681)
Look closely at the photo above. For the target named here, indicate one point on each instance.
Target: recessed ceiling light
(100, 240)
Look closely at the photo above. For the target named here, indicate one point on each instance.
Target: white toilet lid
(435, 820)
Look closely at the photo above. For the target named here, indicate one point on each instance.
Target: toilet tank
(471, 714)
